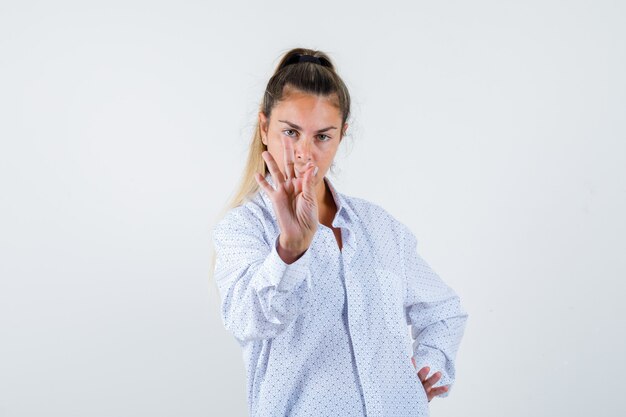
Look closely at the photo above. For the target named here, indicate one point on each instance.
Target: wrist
(290, 253)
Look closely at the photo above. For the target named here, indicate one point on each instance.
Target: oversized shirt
(333, 333)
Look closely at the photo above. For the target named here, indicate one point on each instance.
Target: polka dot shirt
(333, 333)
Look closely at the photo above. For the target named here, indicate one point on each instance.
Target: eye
(288, 130)
(326, 137)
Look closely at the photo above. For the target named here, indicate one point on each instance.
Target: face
(312, 123)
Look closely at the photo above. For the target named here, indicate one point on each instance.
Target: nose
(303, 150)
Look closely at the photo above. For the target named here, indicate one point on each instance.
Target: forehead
(299, 107)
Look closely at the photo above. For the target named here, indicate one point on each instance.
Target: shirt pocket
(391, 294)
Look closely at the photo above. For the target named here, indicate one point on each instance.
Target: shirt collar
(343, 209)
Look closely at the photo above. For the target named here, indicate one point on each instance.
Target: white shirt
(327, 335)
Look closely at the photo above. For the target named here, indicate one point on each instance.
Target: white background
(494, 129)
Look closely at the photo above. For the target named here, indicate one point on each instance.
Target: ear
(345, 128)
(263, 126)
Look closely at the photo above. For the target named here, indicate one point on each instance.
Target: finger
(299, 182)
(437, 391)
(413, 362)
(432, 380)
(308, 185)
(277, 176)
(263, 183)
(288, 157)
(423, 373)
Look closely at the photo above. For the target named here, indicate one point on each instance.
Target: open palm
(294, 200)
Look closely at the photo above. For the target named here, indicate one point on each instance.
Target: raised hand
(428, 383)
(294, 201)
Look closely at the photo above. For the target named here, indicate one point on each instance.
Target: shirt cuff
(287, 277)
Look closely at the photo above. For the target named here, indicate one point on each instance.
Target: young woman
(319, 287)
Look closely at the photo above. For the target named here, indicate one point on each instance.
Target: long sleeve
(260, 294)
(435, 314)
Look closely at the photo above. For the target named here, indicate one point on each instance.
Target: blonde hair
(290, 74)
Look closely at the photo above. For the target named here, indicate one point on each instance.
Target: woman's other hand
(294, 201)
(428, 383)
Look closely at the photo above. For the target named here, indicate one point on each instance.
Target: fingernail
(315, 171)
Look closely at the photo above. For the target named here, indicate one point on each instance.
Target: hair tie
(309, 58)
(304, 58)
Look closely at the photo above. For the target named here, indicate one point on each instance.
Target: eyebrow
(295, 126)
